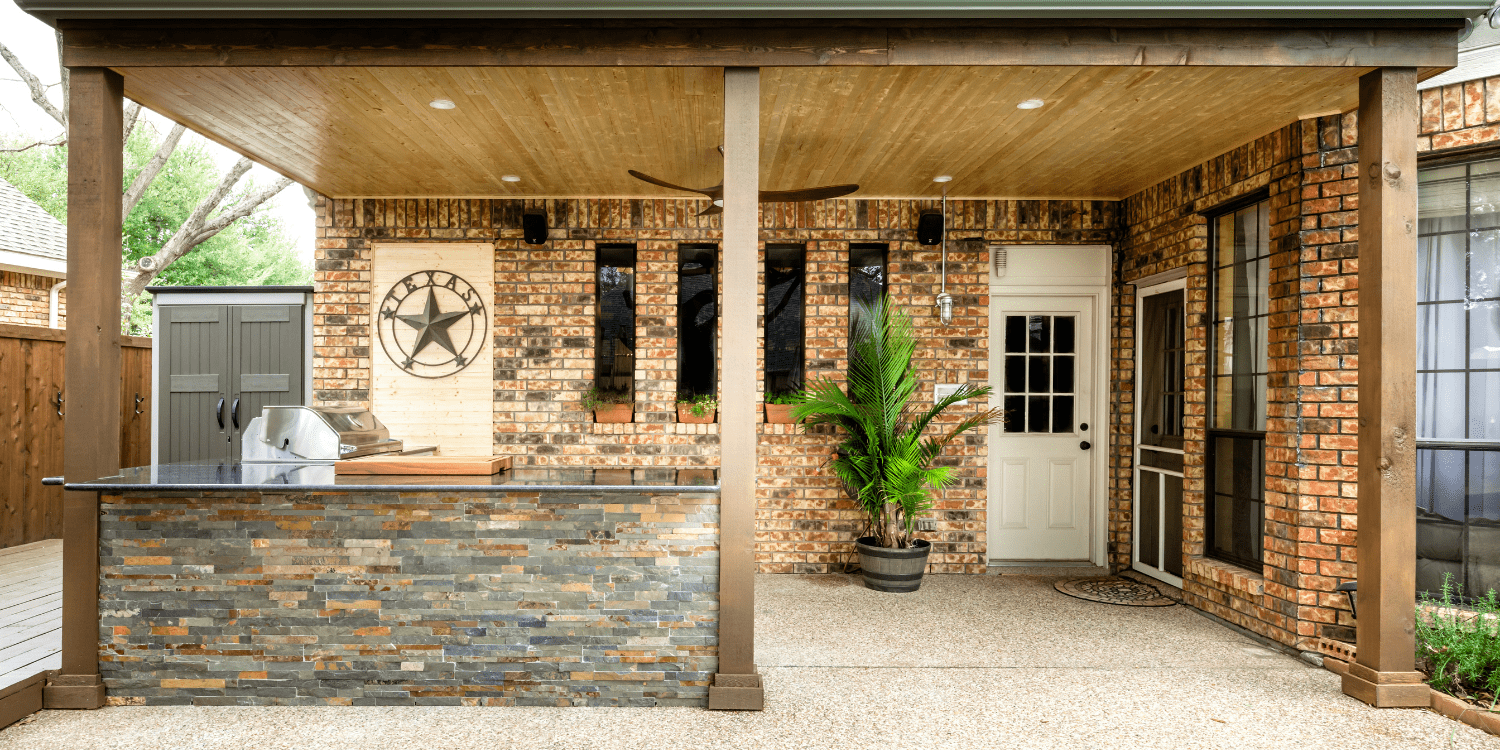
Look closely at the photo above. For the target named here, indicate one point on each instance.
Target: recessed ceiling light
(1032, 104)
(510, 178)
(442, 104)
(943, 178)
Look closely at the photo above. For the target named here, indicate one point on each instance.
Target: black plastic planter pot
(895, 570)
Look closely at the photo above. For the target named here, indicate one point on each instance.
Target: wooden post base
(736, 692)
(1387, 689)
(74, 691)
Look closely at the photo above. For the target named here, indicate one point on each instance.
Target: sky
(34, 43)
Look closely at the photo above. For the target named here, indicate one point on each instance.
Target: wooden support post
(1384, 673)
(91, 424)
(737, 684)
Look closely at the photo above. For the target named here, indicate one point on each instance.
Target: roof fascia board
(1430, 44)
(32, 264)
(51, 10)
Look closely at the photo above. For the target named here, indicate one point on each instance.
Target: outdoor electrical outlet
(926, 524)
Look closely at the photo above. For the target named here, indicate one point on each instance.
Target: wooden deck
(30, 610)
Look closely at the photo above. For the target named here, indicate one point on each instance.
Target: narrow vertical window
(1458, 377)
(1239, 288)
(867, 278)
(697, 320)
(614, 343)
(786, 283)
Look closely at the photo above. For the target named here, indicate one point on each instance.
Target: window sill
(1227, 575)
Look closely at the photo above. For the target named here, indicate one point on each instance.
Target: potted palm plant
(885, 458)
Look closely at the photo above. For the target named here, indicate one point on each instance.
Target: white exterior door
(1042, 484)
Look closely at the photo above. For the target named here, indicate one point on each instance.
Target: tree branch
(57, 142)
(38, 91)
(198, 229)
(132, 114)
(62, 77)
(151, 169)
(241, 210)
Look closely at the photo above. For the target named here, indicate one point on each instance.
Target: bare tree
(202, 224)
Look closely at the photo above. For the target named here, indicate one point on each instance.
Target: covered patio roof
(1104, 133)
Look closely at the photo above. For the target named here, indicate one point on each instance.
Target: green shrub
(1459, 646)
(785, 399)
(700, 406)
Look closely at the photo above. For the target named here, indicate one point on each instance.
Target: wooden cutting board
(429, 465)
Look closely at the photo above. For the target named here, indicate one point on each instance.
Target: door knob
(1085, 445)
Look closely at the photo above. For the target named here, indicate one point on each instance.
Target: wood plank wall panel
(1104, 134)
(31, 432)
(451, 412)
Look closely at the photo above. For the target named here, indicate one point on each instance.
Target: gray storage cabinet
(221, 354)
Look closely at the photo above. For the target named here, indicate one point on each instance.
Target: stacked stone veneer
(519, 598)
(544, 336)
(25, 297)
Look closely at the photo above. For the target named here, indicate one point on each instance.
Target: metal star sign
(432, 325)
(411, 322)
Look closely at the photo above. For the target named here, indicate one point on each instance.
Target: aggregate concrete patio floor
(967, 662)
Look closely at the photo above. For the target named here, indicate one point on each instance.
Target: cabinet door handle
(219, 413)
(138, 400)
(234, 413)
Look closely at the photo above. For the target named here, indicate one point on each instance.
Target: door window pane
(1042, 380)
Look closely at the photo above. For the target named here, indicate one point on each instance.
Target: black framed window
(614, 338)
(1239, 291)
(786, 322)
(697, 320)
(867, 277)
(1458, 376)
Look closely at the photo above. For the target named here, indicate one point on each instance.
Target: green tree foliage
(254, 251)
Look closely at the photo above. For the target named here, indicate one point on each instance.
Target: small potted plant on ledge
(779, 407)
(609, 407)
(884, 460)
(699, 409)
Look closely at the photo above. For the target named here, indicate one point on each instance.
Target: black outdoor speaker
(930, 227)
(534, 226)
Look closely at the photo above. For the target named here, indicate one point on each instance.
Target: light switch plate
(943, 390)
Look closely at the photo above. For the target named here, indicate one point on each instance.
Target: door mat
(1113, 590)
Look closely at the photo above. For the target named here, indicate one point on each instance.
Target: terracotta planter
(685, 415)
(614, 413)
(898, 571)
(780, 413)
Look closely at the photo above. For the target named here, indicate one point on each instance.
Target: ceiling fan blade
(711, 210)
(712, 192)
(806, 194)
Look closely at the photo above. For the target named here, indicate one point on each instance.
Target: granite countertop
(210, 476)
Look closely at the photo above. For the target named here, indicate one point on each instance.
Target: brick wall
(544, 335)
(520, 598)
(24, 299)
(1166, 230)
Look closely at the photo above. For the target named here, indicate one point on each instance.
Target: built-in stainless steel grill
(315, 433)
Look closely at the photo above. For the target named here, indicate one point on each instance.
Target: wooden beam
(737, 684)
(801, 43)
(91, 437)
(1384, 673)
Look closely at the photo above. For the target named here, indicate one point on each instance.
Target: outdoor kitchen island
(226, 584)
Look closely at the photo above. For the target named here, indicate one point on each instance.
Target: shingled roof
(30, 238)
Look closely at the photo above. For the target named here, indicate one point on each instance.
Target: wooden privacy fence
(31, 427)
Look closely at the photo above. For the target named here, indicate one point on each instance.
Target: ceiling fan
(716, 193)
